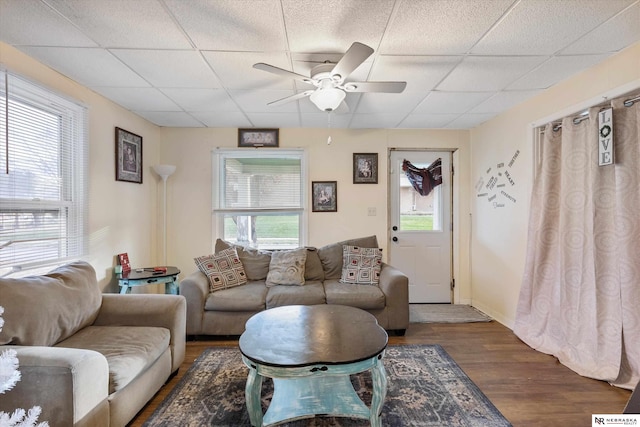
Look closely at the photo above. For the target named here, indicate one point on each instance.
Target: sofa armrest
(195, 288)
(166, 311)
(68, 384)
(395, 286)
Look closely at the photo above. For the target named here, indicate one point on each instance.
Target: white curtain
(580, 295)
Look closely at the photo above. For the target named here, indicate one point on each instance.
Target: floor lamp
(164, 171)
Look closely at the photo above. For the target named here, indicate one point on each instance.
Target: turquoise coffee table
(309, 352)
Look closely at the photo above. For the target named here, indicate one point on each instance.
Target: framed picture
(365, 168)
(258, 137)
(325, 196)
(128, 156)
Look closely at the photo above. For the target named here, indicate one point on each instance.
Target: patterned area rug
(445, 313)
(425, 388)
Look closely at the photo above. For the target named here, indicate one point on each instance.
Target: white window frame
(73, 201)
(218, 212)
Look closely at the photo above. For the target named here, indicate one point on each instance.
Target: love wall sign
(605, 137)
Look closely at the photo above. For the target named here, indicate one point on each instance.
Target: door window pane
(419, 213)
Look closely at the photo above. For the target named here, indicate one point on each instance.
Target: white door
(420, 228)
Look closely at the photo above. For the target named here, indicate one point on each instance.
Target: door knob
(394, 238)
(394, 228)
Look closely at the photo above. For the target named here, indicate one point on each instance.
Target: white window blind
(43, 179)
(258, 197)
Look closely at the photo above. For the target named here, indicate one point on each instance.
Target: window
(43, 158)
(258, 197)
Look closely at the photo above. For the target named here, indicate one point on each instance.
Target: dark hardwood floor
(528, 387)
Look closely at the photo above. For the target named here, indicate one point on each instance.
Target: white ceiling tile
(402, 103)
(88, 66)
(222, 120)
(135, 24)
(274, 120)
(375, 121)
(450, 102)
(433, 27)
(243, 25)
(554, 70)
(255, 101)
(202, 100)
(331, 26)
(176, 119)
(320, 120)
(502, 101)
(612, 36)
(537, 27)
(139, 99)
(484, 74)
(427, 121)
(30, 22)
(235, 69)
(469, 121)
(169, 68)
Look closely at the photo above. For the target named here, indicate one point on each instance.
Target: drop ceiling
(188, 63)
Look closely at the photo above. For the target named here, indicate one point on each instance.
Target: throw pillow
(287, 267)
(331, 255)
(254, 261)
(361, 265)
(223, 269)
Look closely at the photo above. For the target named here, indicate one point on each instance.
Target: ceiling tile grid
(190, 63)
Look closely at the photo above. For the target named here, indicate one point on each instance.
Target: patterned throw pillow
(287, 267)
(223, 269)
(361, 265)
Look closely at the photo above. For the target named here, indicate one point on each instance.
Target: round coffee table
(309, 352)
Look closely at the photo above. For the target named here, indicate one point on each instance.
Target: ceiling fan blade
(355, 55)
(386, 87)
(290, 98)
(282, 72)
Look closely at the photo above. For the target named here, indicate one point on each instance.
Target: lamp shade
(164, 170)
(327, 99)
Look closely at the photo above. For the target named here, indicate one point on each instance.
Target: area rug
(425, 388)
(445, 313)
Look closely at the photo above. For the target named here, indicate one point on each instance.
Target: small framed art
(365, 168)
(128, 156)
(325, 196)
(258, 137)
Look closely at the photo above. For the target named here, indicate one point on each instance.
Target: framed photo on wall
(128, 156)
(324, 196)
(258, 137)
(365, 168)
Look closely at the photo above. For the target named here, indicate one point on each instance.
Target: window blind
(43, 181)
(258, 197)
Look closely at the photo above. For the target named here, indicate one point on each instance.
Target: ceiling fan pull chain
(329, 127)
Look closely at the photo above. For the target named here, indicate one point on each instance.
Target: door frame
(454, 210)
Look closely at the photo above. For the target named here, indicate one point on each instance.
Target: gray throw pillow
(287, 267)
(331, 255)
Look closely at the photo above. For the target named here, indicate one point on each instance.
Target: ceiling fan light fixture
(327, 99)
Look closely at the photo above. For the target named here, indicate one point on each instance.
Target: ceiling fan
(329, 80)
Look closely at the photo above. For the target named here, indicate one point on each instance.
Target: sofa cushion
(287, 267)
(364, 297)
(129, 350)
(331, 255)
(223, 269)
(249, 297)
(255, 262)
(361, 265)
(313, 267)
(309, 294)
(43, 310)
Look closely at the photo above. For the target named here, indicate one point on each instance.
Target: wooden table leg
(379, 378)
(252, 393)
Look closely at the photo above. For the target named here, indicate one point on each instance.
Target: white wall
(189, 189)
(499, 235)
(122, 215)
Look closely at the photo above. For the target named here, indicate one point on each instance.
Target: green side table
(148, 277)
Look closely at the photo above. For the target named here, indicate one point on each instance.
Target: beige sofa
(88, 358)
(225, 312)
